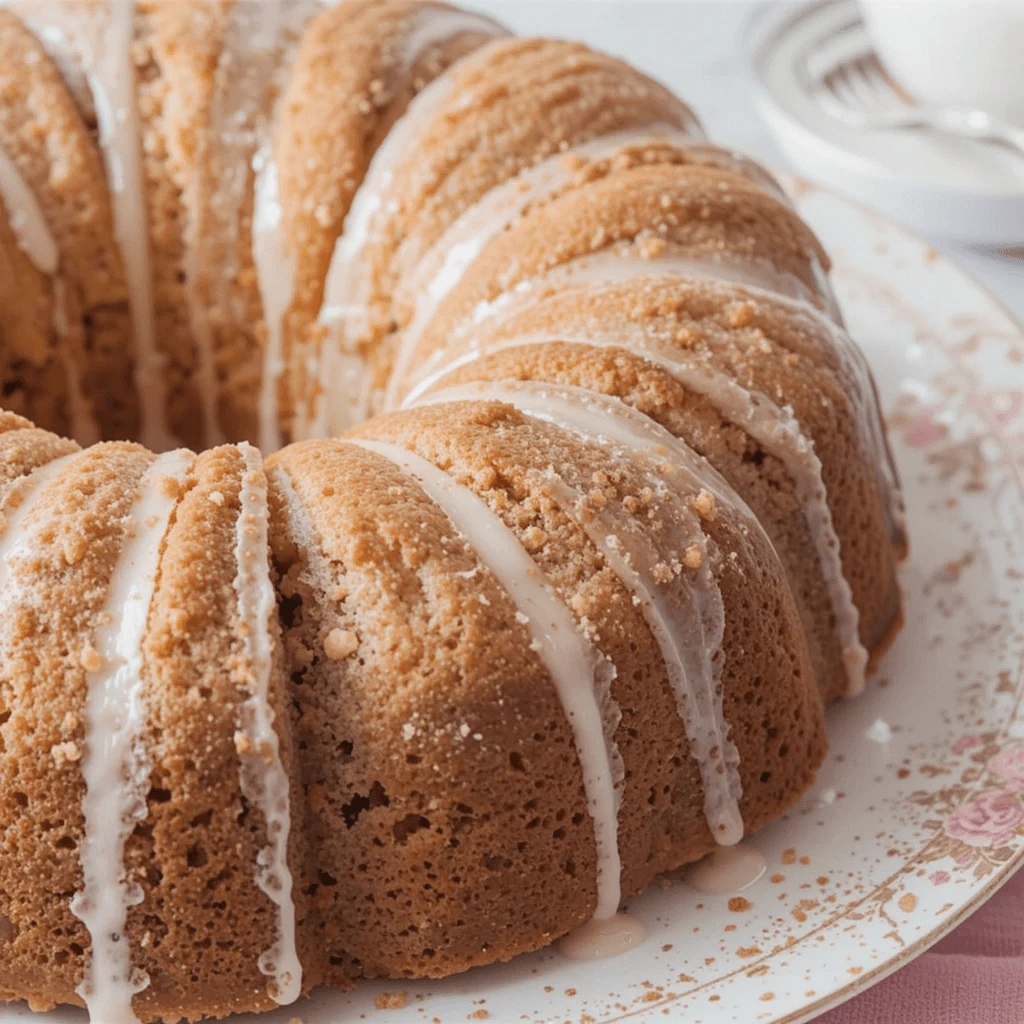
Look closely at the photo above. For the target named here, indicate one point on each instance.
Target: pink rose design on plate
(939, 877)
(924, 430)
(1009, 765)
(989, 820)
(1002, 406)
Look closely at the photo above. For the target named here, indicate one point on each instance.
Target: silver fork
(860, 94)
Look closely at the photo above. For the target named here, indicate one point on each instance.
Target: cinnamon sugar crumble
(91, 659)
(169, 487)
(652, 248)
(705, 506)
(340, 644)
(662, 573)
(66, 753)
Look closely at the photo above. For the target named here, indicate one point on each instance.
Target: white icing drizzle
(259, 47)
(577, 668)
(727, 870)
(110, 72)
(275, 273)
(446, 262)
(620, 262)
(341, 370)
(685, 614)
(35, 239)
(115, 768)
(26, 218)
(601, 938)
(625, 262)
(18, 503)
(776, 429)
(444, 265)
(264, 780)
(436, 25)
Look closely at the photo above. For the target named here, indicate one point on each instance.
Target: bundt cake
(428, 690)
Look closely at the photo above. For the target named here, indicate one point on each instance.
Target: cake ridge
(255, 52)
(36, 240)
(115, 767)
(779, 432)
(110, 72)
(342, 314)
(23, 493)
(686, 616)
(263, 777)
(580, 672)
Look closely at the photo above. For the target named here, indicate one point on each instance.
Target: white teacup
(954, 52)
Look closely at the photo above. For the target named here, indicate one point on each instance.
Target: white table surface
(694, 46)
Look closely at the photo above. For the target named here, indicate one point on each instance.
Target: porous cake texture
(542, 502)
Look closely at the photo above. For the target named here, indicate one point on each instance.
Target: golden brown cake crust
(44, 133)
(769, 348)
(433, 775)
(43, 654)
(470, 710)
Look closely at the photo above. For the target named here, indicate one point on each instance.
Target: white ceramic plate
(918, 814)
(933, 183)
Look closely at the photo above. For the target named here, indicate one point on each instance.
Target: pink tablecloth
(974, 976)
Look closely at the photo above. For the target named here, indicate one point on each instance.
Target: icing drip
(35, 239)
(684, 613)
(622, 262)
(727, 870)
(342, 370)
(275, 273)
(577, 668)
(26, 218)
(779, 433)
(855, 364)
(114, 766)
(259, 45)
(110, 71)
(446, 262)
(17, 505)
(599, 939)
(264, 780)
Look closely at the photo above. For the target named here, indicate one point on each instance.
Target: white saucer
(934, 184)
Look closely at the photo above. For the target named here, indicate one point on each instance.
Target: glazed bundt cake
(424, 691)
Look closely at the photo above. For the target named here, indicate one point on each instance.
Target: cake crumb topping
(705, 506)
(340, 644)
(91, 659)
(170, 487)
(66, 753)
(391, 1001)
